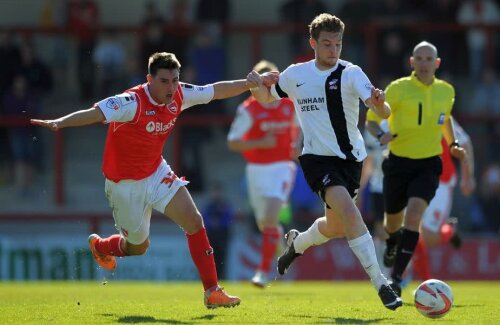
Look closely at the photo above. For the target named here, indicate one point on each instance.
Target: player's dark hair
(162, 60)
(327, 23)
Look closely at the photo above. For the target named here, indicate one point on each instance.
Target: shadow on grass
(135, 319)
(205, 317)
(342, 320)
(148, 319)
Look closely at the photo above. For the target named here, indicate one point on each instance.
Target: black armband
(455, 144)
(380, 134)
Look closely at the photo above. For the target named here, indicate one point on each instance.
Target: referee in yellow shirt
(421, 107)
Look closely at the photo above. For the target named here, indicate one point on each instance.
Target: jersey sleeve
(360, 82)
(372, 117)
(280, 89)
(241, 124)
(460, 134)
(118, 108)
(195, 95)
(392, 95)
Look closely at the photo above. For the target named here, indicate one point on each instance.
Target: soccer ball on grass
(433, 298)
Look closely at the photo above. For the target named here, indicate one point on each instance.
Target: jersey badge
(113, 103)
(172, 107)
(441, 118)
(333, 84)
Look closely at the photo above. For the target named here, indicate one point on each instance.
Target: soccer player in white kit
(326, 93)
(138, 179)
(265, 134)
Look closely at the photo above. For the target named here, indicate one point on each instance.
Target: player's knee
(193, 223)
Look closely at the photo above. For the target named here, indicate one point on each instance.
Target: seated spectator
(489, 196)
(18, 102)
(485, 100)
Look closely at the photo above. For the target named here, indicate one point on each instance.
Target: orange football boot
(107, 262)
(217, 297)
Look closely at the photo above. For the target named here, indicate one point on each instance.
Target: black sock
(393, 239)
(404, 253)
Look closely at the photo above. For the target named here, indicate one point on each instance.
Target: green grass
(182, 303)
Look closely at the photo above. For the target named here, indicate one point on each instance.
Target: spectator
(207, 59)
(11, 57)
(18, 102)
(485, 94)
(300, 12)
(489, 198)
(485, 12)
(152, 14)
(213, 11)
(355, 13)
(83, 23)
(218, 215)
(179, 30)
(109, 57)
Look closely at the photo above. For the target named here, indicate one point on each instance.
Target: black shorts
(377, 205)
(324, 171)
(405, 178)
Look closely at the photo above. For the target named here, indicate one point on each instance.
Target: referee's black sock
(404, 253)
(394, 238)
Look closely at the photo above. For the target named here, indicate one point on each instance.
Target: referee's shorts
(405, 178)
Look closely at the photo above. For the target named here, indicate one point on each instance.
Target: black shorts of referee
(321, 172)
(405, 178)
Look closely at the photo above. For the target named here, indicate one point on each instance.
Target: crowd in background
(197, 36)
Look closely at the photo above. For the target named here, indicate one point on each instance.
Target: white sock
(308, 238)
(364, 249)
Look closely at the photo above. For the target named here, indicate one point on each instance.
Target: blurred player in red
(265, 134)
(138, 179)
(436, 227)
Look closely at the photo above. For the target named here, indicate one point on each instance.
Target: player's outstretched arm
(79, 118)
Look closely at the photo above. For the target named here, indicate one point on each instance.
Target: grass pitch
(182, 303)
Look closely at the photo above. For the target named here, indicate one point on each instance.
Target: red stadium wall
(477, 259)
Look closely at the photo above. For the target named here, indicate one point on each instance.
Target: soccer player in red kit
(265, 134)
(434, 227)
(138, 179)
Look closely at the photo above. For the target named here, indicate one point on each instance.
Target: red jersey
(448, 165)
(134, 149)
(277, 118)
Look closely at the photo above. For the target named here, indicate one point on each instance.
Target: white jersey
(327, 106)
(122, 108)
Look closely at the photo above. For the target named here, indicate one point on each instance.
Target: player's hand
(270, 78)
(53, 125)
(253, 79)
(377, 97)
(386, 138)
(458, 152)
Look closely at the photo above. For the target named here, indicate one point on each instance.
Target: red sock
(110, 246)
(203, 257)
(446, 232)
(270, 240)
(421, 260)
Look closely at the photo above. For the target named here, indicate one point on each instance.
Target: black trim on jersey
(280, 92)
(336, 111)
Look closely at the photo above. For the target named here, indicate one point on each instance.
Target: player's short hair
(264, 66)
(162, 60)
(327, 23)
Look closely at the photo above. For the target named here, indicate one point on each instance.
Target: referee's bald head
(428, 45)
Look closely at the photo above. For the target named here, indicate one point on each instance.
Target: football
(433, 298)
